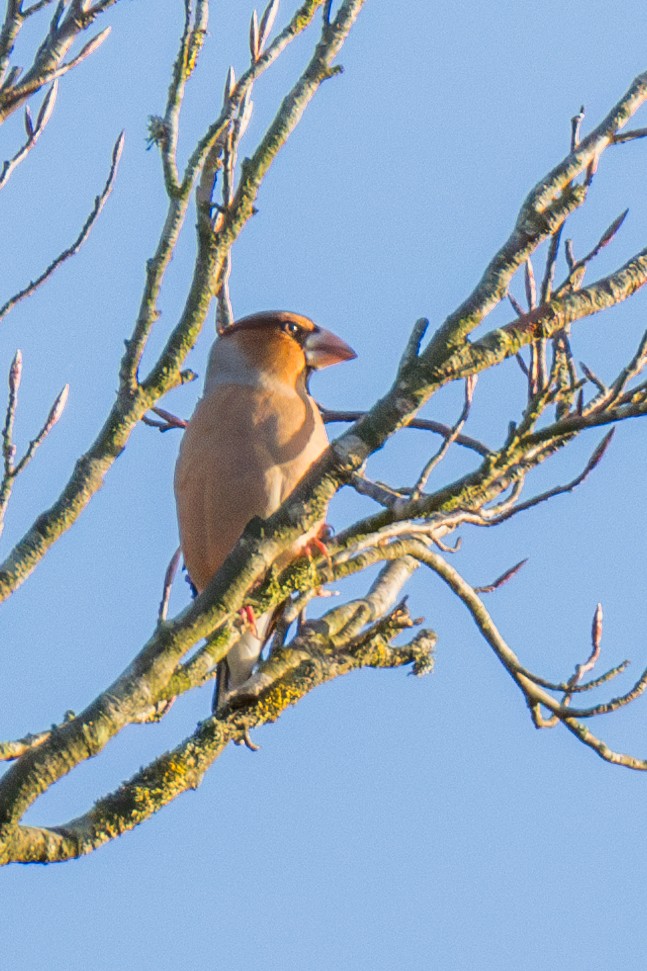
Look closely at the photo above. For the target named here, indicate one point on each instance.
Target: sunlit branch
(534, 694)
(183, 652)
(133, 399)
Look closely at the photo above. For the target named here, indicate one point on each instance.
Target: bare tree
(413, 525)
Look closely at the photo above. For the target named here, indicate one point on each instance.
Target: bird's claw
(247, 742)
(317, 542)
(249, 619)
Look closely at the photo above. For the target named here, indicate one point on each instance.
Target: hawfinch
(254, 434)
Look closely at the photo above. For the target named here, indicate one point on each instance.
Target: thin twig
(577, 267)
(503, 579)
(33, 134)
(631, 370)
(33, 81)
(551, 262)
(563, 686)
(378, 491)
(193, 33)
(516, 306)
(576, 124)
(629, 136)
(594, 460)
(593, 378)
(593, 658)
(35, 7)
(168, 421)
(99, 203)
(169, 577)
(422, 424)
(412, 349)
(9, 751)
(52, 419)
(435, 460)
(535, 695)
(8, 447)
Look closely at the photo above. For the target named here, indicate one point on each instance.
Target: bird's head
(274, 346)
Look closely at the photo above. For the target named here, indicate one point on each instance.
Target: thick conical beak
(323, 348)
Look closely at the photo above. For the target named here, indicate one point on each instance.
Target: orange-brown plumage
(254, 434)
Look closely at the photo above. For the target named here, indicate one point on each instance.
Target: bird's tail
(237, 667)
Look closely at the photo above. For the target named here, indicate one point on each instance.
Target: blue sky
(387, 822)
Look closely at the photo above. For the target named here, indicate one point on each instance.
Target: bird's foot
(317, 542)
(245, 740)
(249, 619)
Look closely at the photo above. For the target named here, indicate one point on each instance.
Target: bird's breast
(242, 454)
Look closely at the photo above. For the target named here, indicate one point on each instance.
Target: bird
(254, 434)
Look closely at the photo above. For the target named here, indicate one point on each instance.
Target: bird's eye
(289, 327)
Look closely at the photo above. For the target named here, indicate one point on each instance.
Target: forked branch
(414, 521)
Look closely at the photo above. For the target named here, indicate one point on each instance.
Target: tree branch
(71, 250)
